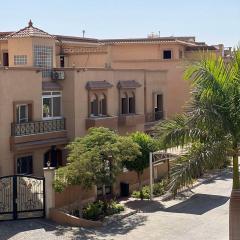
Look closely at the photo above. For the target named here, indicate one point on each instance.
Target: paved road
(202, 216)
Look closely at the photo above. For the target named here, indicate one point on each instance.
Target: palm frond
(192, 164)
(177, 132)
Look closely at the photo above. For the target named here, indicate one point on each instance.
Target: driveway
(198, 215)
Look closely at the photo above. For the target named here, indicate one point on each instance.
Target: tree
(96, 159)
(147, 144)
(210, 128)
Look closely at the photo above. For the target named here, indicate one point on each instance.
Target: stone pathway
(200, 215)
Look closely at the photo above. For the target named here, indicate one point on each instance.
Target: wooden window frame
(51, 95)
(30, 109)
(21, 155)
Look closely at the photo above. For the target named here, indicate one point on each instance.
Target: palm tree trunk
(236, 184)
(234, 205)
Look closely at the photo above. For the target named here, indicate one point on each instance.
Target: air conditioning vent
(58, 75)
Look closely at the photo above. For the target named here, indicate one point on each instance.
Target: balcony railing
(38, 127)
(102, 121)
(131, 119)
(155, 116)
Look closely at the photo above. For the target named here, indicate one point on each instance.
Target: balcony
(155, 116)
(130, 120)
(152, 119)
(102, 121)
(38, 134)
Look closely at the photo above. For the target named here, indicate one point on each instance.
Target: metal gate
(22, 197)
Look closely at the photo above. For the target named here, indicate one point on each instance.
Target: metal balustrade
(37, 127)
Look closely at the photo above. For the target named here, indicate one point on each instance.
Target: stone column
(49, 174)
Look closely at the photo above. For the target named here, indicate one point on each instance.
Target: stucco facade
(53, 88)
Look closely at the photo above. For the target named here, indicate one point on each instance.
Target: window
(62, 61)
(167, 54)
(124, 101)
(102, 105)
(43, 57)
(94, 106)
(98, 105)
(20, 59)
(131, 103)
(106, 188)
(51, 105)
(24, 165)
(128, 103)
(22, 113)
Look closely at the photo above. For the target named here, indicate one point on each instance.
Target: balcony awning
(98, 85)
(128, 84)
(51, 85)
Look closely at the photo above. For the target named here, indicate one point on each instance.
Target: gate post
(49, 174)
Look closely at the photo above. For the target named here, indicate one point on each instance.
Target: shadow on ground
(146, 206)
(198, 204)
(108, 232)
(11, 229)
(224, 177)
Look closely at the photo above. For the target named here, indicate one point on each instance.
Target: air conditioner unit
(58, 75)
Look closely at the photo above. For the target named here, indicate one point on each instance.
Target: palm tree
(210, 127)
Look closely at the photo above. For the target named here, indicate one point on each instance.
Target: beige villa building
(53, 88)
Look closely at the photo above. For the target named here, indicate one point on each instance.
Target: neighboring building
(53, 88)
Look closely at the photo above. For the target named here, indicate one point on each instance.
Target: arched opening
(94, 105)
(102, 105)
(54, 157)
(124, 103)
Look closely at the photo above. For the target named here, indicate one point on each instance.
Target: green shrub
(59, 186)
(100, 209)
(158, 190)
(113, 208)
(143, 194)
(94, 211)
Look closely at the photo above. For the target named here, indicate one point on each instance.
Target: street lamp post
(151, 174)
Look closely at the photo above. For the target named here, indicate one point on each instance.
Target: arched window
(94, 105)
(124, 103)
(131, 102)
(102, 105)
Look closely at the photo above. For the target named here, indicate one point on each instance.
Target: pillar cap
(49, 169)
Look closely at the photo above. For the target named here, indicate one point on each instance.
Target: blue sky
(213, 21)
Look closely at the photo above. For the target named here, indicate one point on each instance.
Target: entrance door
(5, 59)
(22, 197)
(159, 107)
(54, 157)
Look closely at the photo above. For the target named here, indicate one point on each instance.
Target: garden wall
(78, 195)
(73, 194)
(131, 178)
